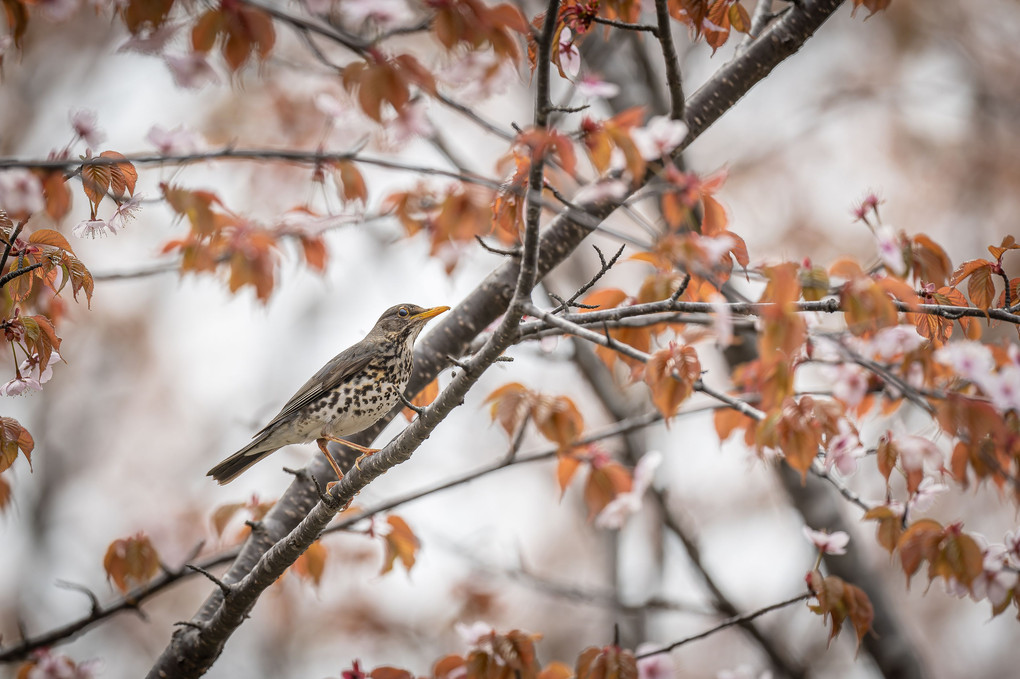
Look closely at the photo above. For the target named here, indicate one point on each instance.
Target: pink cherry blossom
(178, 141)
(658, 666)
(21, 193)
(849, 383)
(477, 635)
(995, 581)
(383, 14)
(659, 137)
(890, 251)
(616, 513)
(125, 212)
(927, 491)
(969, 359)
(844, 449)
(58, 10)
(1004, 388)
(191, 70)
(151, 42)
(917, 451)
(86, 125)
(19, 386)
(894, 341)
(570, 56)
(591, 87)
(410, 123)
(829, 543)
(722, 320)
(1011, 543)
(90, 228)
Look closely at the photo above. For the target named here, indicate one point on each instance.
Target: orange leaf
(312, 563)
(607, 298)
(511, 403)
(556, 670)
(131, 562)
(966, 269)
(50, 237)
(608, 662)
(5, 494)
(223, 514)
(918, 543)
(890, 526)
(400, 543)
(351, 182)
(387, 672)
(605, 482)
(728, 420)
(123, 176)
(566, 467)
(981, 287)
(1008, 243)
(671, 374)
(558, 419)
(14, 437)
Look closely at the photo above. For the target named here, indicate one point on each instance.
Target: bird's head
(403, 322)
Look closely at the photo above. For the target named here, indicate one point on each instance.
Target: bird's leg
(325, 451)
(365, 452)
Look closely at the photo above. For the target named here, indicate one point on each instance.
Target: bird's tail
(230, 468)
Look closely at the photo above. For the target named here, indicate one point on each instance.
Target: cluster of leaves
(131, 562)
(33, 272)
(495, 655)
(219, 238)
(837, 601)
(558, 419)
(713, 19)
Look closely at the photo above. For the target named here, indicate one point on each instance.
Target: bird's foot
(369, 451)
(332, 463)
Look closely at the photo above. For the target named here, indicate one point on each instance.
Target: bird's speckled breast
(361, 402)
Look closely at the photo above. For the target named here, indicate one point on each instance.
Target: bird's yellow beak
(430, 313)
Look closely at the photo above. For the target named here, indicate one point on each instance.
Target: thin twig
(740, 619)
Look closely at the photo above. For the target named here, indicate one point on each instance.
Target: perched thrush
(349, 394)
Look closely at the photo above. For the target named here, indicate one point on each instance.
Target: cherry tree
(635, 347)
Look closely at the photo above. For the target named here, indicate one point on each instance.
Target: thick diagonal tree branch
(194, 647)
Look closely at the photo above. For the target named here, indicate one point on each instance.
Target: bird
(347, 395)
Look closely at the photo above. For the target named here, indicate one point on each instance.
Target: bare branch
(674, 82)
(740, 619)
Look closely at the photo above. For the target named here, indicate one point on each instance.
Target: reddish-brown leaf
(14, 438)
(401, 543)
(5, 494)
(558, 419)
(351, 182)
(919, 543)
(123, 176)
(312, 563)
(608, 662)
(890, 526)
(607, 298)
(1008, 243)
(605, 482)
(50, 237)
(510, 405)
(131, 562)
(671, 374)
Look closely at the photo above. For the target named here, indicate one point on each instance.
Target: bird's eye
(402, 312)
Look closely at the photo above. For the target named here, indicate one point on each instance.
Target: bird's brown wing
(330, 376)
